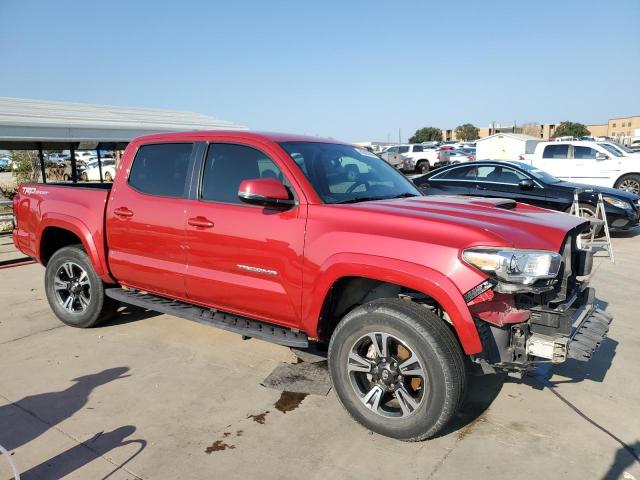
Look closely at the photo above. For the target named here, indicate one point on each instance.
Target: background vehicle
(419, 157)
(92, 172)
(524, 183)
(614, 147)
(587, 162)
(5, 165)
(58, 159)
(266, 235)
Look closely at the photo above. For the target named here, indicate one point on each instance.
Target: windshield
(617, 146)
(537, 173)
(612, 149)
(347, 174)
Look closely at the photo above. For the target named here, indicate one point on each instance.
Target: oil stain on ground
(259, 418)
(219, 445)
(289, 401)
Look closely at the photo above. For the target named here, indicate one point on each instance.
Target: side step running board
(244, 326)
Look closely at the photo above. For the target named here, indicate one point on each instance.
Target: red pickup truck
(297, 240)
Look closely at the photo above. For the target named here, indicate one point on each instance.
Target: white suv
(587, 162)
(419, 157)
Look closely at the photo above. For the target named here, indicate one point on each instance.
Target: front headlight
(514, 266)
(616, 202)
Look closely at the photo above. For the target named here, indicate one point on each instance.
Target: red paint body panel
(279, 265)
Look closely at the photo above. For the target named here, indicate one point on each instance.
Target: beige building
(623, 126)
(618, 128)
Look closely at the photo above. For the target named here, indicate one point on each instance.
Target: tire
(74, 291)
(629, 183)
(108, 177)
(422, 166)
(423, 336)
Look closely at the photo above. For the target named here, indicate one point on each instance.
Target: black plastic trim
(233, 323)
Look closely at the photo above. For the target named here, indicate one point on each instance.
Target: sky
(351, 70)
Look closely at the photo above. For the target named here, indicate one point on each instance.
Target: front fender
(95, 249)
(410, 275)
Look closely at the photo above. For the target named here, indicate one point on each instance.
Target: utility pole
(399, 136)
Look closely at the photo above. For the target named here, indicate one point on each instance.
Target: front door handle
(200, 222)
(123, 212)
(480, 187)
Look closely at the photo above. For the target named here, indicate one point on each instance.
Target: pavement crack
(31, 334)
(72, 438)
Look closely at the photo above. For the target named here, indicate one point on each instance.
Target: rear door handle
(123, 212)
(480, 187)
(200, 222)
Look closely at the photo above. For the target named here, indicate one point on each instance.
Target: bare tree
(27, 165)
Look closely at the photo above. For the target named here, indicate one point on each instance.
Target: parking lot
(153, 396)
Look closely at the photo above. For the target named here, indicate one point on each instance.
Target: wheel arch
(58, 230)
(344, 285)
(627, 174)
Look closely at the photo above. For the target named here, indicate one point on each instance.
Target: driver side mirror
(267, 192)
(526, 184)
(601, 156)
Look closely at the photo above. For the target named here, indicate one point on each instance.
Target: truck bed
(80, 208)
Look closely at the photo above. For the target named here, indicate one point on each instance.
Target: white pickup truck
(587, 162)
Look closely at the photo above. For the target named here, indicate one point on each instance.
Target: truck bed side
(53, 215)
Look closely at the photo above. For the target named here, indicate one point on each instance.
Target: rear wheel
(397, 369)
(74, 291)
(422, 166)
(629, 183)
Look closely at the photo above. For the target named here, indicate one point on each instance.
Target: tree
(571, 129)
(27, 165)
(426, 134)
(467, 132)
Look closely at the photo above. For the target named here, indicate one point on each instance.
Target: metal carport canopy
(35, 124)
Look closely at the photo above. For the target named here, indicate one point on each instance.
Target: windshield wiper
(369, 199)
(361, 199)
(405, 195)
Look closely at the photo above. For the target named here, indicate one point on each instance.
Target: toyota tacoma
(272, 237)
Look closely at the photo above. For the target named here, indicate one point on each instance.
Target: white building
(505, 146)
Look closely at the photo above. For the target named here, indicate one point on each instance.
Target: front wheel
(397, 369)
(629, 183)
(74, 290)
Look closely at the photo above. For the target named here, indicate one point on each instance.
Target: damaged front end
(546, 316)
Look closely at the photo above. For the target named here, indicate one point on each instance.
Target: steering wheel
(357, 183)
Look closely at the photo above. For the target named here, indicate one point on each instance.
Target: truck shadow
(129, 313)
(482, 390)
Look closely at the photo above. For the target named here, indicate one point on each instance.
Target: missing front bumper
(589, 330)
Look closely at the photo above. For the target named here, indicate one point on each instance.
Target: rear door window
(556, 151)
(161, 169)
(459, 173)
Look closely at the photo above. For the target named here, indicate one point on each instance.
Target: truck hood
(472, 221)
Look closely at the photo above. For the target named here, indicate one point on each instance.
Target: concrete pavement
(147, 396)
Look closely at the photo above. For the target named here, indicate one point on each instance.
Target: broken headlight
(523, 267)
